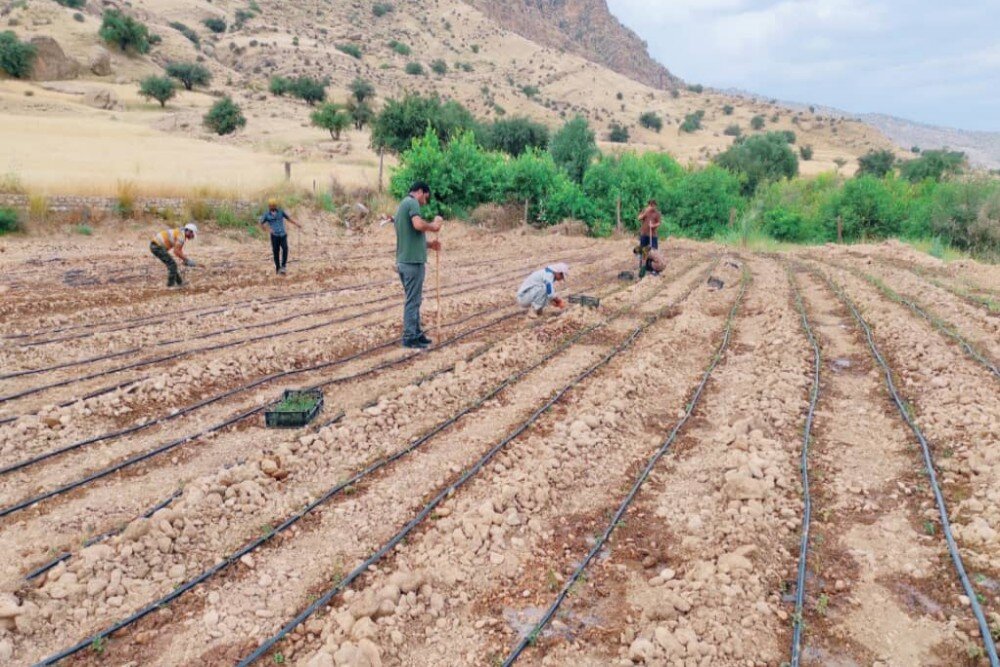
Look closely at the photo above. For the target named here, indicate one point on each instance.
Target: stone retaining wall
(87, 206)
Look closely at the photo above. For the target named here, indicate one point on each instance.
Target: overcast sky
(936, 61)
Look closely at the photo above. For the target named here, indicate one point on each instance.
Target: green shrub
(129, 35)
(789, 226)
(400, 48)
(189, 74)
(966, 214)
(215, 24)
(733, 130)
(698, 203)
(758, 159)
(242, 16)
(16, 57)
(618, 133)
(632, 178)
(414, 69)
(806, 152)
(332, 118)
(225, 117)
(159, 88)
(933, 165)
(402, 121)
(513, 136)
(876, 163)
(187, 32)
(73, 4)
(380, 9)
(573, 148)
(439, 67)
(462, 175)
(696, 88)
(474, 48)
(651, 121)
(84, 230)
(307, 89)
(789, 136)
(692, 121)
(280, 85)
(757, 122)
(728, 109)
(350, 49)
(9, 221)
(79, 18)
(868, 208)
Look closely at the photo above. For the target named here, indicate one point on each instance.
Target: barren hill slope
(489, 67)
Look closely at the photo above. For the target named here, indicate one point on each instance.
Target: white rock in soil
(321, 659)
(6, 651)
(641, 650)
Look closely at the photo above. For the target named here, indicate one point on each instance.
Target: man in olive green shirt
(411, 259)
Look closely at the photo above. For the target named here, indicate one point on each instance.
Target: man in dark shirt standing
(411, 259)
(649, 237)
(275, 218)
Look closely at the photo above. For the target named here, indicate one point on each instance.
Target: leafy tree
(758, 159)
(16, 57)
(332, 118)
(757, 122)
(867, 208)
(728, 109)
(439, 67)
(514, 135)
(530, 91)
(280, 85)
(789, 136)
(651, 121)
(361, 113)
(215, 24)
(159, 88)
(225, 117)
(935, 165)
(573, 148)
(361, 89)
(129, 35)
(806, 152)
(876, 163)
(696, 88)
(532, 176)
(698, 204)
(618, 133)
(402, 121)
(73, 4)
(308, 89)
(733, 130)
(788, 225)
(350, 49)
(463, 175)
(414, 69)
(633, 179)
(380, 9)
(190, 74)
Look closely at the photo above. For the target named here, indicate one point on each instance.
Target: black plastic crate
(626, 275)
(583, 300)
(275, 419)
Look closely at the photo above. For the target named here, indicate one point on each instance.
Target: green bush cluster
(187, 32)
(16, 57)
(305, 88)
(9, 221)
(651, 121)
(215, 24)
(128, 34)
(225, 117)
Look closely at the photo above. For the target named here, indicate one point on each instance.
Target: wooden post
(732, 218)
(618, 213)
(314, 188)
(527, 203)
(840, 230)
(288, 171)
(380, 155)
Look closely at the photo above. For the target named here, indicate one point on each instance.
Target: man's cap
(191, 227)
(559, 267)
(272, 202)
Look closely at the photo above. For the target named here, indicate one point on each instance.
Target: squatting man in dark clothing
(411, 259)
(275, 218)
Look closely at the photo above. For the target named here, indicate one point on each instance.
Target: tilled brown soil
(701, 570)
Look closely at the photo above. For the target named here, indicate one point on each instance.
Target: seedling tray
(626, 275)
(296, 408)
(583, 300)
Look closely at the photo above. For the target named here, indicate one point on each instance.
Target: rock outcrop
(51, 62)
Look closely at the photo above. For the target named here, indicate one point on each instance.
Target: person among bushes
(173, 240)
(411, 259)
(538, 290)
(649, 232)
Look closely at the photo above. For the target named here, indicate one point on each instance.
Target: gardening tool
(437, 281)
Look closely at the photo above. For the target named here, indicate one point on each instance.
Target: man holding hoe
(649, 238)
(275, 218)
(411, 259)
(173, 240)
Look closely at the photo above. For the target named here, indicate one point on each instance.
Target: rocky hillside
(983, 148)
(586, 28)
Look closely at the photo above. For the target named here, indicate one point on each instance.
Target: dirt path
(880, 589)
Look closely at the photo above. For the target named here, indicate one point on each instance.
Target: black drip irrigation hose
(444, 494)
(173, 444)
(211, 348)
(352, 481)
(956, 557)
(530, 638)
(220, 346)
(944, 327)
(135, 428)
(798, 621)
